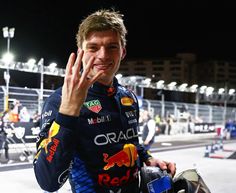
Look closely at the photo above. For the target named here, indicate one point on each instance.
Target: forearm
(144, 155)
(54, 155)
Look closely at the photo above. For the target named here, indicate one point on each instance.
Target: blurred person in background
(158, 124)
(169, 123)
(149, 130)
(36, 118)
(14, 113)
(3, 137)
(24, 115)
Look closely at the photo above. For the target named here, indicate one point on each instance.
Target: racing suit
(98, 151)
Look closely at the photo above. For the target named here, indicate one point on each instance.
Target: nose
(102, 53)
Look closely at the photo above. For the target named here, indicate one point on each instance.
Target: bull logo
(52, 132)
(126, 157)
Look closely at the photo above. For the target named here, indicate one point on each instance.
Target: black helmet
(155, 180)
(189, 181)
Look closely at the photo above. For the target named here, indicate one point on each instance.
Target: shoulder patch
(127, 101)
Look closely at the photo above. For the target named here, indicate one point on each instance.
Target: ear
(123, 53)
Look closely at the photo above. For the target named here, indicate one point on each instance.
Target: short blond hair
(102, 20)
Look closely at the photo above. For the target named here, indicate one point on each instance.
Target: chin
(106, 80)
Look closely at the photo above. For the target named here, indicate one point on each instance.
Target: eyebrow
(95, 44)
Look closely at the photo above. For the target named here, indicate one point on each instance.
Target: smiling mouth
(102, 67)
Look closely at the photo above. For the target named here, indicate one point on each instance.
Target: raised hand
(76, 84)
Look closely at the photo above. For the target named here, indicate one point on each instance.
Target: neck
(107, 83)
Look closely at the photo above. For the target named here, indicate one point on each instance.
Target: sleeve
(143, 154)
(54, 147)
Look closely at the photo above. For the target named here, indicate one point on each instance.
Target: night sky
(155, 28)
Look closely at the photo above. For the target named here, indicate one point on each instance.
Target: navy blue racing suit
(98, 151)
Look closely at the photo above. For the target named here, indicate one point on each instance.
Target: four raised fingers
(73, 70)
(70, 64)
(77, 65)
(87, 69)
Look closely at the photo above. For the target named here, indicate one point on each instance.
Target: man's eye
(113, 47)
(92, 48)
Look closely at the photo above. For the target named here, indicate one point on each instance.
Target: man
(149, 130)
(89, 127)
(3, 136)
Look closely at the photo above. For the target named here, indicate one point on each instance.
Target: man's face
(145, 115)
(105, 47)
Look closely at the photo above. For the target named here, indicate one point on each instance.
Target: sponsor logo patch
(130, 114)
(109, 138)
(132, 121)
(127, 101)
(107, 180)
(101, 119)
(46, 114)
(52, 149)
(94, 106)
(52, 133)
(126, 157)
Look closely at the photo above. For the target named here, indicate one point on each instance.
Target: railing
(207, 113)
(29, 97)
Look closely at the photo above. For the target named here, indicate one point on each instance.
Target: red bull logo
(126, 157)
(53, 149)
(52, 132)
(107, 180)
